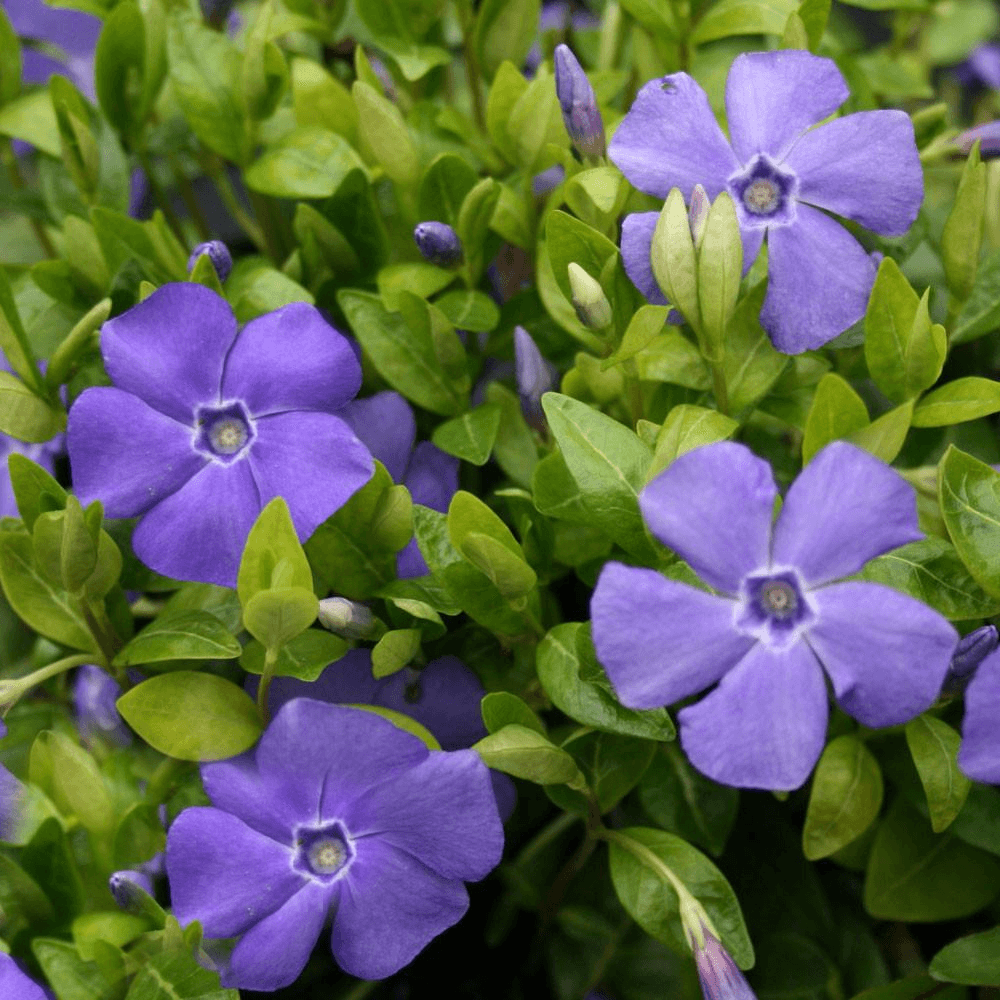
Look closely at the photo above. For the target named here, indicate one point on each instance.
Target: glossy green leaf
(688, 427)
(963, 229)
(884, 437)
(309, 162)
(526, 753)
(980, 314)
(192, 716)
(305, 656)
(274, 617)
(470, 436)
(472, 311)
(501, 708)
(382, 128)
(612, 765)
(973, 960)
(845, 798)
(504, 30)
(395, 650)
(954, 402)
(443, 188)
(743, 17)
(183, 635)
(72, 780)
(837, 411)
(25, 415)
(272, 555)
(514, 449)
(175, 975)
(934, 745)
(69, 974)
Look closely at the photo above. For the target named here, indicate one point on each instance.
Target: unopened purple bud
(439, 243)
(216, 12)
(971, 650)
(535, 376)
(218, 254)
(720, 976)
(988, 136)
(579, 106)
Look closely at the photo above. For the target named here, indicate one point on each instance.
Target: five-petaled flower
(205, 424)
(336, 811)
(784, 174)
(779, 619)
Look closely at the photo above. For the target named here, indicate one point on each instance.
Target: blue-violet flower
(438, 243)
(95, 693)
(15, 984)
(580, 113)
(218, 253)
(979, 754)
(336, 811)
(205, 424)
(784, 175)
(779, 619)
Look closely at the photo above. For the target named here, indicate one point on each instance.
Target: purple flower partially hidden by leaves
(11, 797)
(386, 425)
(971, 650)
(719, 975)
(979, 754)
(784, 176)
(218, 253)
(578, 104)
(779, 619)
(205, 424)
(988, 137)
(339, 812)
(981, 68)
(94, 695)
(535, 376)
(17, 985)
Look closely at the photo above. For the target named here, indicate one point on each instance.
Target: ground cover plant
(500, 499)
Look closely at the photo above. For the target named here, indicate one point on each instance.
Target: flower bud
(347, 618)
(579, 106)
(698, 215)
(438, 243)
(535, 376)
(719, 975)
(988, 136)
(216, 13)
(131, 889)
(589, 301)
(218, 253)
(971, 650)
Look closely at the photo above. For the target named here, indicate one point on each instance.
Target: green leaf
(395, 650)
(646, 892)
(504, 30)
(981, 312)
(969, 492)
(274, 617)
(10, 61)
(404, 722)
(837, 411)
(743, 17)
(403, 355)
(508, 87)
(382, 129)
(305, 656)
(25, 415)
(934, 745)
(514, 449)
(72, 780)
(443, 188)
(720, 270)
(418, 277)
(472, 311)
(608, 463)
(963, 230)
(501, 708)
(917, 875)
(308, 162)
(612, 765)
(572, 677)
(183, 635)
(321, 99)
(32, 119)
(70, 975)
(884, 437)
(683, 801)
(175, 975)
(905, 351)
(688, 427)
(845, 798)
(973, 960)
(526, 753)
(192, 716)
(34, 489)
(272, 556)
(123, 240)
(473, 224)
(206, 71)
(120, 67)
(48, 859)
(470, 436)
(963, 399)
(931, 571)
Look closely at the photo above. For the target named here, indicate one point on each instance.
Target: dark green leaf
(974, 960)
(305, 657)
(934, 745)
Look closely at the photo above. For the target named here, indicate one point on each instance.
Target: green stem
(103, 632)
(267, 675)
(160, 195)
(21, 685)
(719, 388)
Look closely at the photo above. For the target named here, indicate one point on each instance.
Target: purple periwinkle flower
(95, 693)
(535, 376)
(971, 650)
(205, 424)
(988, 137)
(387, 426)
(129, 888)
(11, 797)
(784, 175)
(15, 984)
(981, 67)
(216, 12)
(719, 975)
(339, 812)
(218, 253)
(579, 105)
(979, 754)
(779, 619)
(438, 243)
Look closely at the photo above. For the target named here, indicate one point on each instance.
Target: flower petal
(198, 533)
(385, 425)
(670, 138)
(713, 507)
(637, 238)
(225, 874)
(169, 349)
(432, 476)
(773, 97)
(126, 454)
(819, 280)
(886, 652)
(660, 640)
(391, 907)
(11, 797)
(273, 952)
(333, 753)
(311, 459)
(442, 812)
(764, 725)
(16, 985)
(864, 166)
(979, 755)
(845, 508)
(291, 359)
